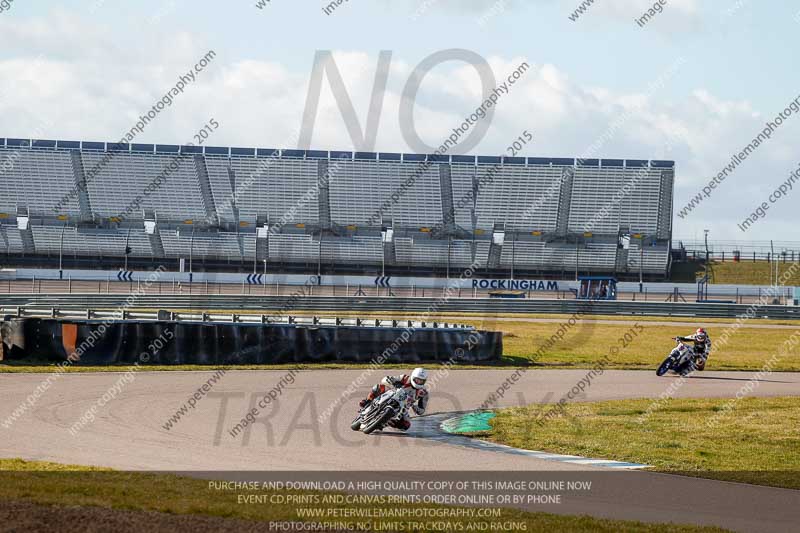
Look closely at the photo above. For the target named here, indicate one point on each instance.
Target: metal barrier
(286, 320)
(285, 306)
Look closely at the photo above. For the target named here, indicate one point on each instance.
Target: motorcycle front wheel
(664, 367)
(355, 425)
(379, 422)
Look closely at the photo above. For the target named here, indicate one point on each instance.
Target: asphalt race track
(129, 433)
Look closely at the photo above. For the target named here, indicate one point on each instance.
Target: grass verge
(755, 442)
(65, 485)
(751, 273)
(745, 272)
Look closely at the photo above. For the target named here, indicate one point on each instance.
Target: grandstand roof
(48, 144)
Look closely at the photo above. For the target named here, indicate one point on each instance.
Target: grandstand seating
(10, 240)
(37, 179)
(597, 190)
(655, 258)
(282, 189)
(357, 250)
(565, 257)
(358, 188)
(125, 176)
(211, 245)
(329, 207)
(524, 198)
(294, 248)
(427, 252)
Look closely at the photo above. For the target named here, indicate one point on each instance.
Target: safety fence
(485, 306)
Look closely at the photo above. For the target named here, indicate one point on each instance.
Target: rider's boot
(402, 425)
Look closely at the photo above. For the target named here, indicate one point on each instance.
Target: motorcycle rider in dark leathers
(419, 394)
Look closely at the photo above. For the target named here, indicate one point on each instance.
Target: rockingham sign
(515, 284)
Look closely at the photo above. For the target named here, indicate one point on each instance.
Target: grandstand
(93, 203)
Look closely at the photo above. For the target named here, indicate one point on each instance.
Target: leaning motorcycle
(680, 358)
(391, 405)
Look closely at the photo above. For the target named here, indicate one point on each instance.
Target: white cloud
(96, 91)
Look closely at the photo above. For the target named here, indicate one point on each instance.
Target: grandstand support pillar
(262, 239)
(25, 230)
(79, 176)
(621, 260)
(387, 245)
(446, 191)
(4, 240)
(61, 253)
(641, 266)
(153, 235)
(205, 190)
(323, 183)
(513, 252)
(234, 207)
(562, 223)
(28, 243)
(156, 245)
(495, 248)
(664, 224)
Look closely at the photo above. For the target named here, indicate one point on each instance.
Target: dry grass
(755, 442)
(62, 485)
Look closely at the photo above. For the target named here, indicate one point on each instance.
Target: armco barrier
(489, 306)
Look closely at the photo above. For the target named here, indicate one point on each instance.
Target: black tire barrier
(180, 343)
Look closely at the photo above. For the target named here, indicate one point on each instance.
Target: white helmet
(418, 377)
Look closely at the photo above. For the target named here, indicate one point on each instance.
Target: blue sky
(102, 62)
